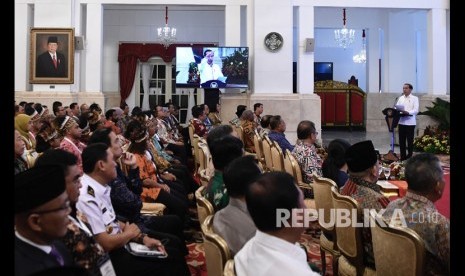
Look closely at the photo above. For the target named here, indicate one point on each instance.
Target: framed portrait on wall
(51, 55)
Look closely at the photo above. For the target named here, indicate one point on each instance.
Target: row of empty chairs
(397, 251)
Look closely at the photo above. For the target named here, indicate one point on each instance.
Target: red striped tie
(54, 61)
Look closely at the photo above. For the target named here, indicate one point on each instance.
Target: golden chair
(266, 146)
(240, 133)
(349, 238)
(297, 173)
(277, 157)
(216, 249)
(206, 169)
(204, 207)
(324, 203)
(397, 251)
(229, 269)
(258, 148)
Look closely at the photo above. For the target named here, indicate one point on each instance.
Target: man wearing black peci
(51, 64)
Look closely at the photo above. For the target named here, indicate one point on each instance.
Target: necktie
(54, 61)
(57, 255)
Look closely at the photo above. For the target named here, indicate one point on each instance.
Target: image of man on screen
(51, 64)
(210, 73)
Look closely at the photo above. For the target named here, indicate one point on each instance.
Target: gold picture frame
(51, 56)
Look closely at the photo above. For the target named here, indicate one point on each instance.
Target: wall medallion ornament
(273, 41)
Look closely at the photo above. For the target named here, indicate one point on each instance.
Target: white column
(232, 26)
(305, 60)
(21, 46)
(94, 45)
(437, 52)
(273, 70)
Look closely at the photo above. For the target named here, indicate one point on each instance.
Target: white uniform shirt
(268, 255)
(95, 203)
(410, 104)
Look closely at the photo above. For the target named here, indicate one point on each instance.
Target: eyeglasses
(316, 132)
(66, 206)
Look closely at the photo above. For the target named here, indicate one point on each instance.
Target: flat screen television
(212, 67)
(323, 71)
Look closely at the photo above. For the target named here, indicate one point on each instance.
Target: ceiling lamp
(362, 57)
(344, 37)
(166, 35)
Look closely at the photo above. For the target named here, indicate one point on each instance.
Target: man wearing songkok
(363, 166)
(41, 218)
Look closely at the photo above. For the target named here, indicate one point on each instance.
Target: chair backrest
(324, 202)
(202, 155)
(349, 238)
(204, 207)
(397, 251)
(277, 156)
(216, 249)
(229, 269)
(258, 147)
(288, 164)
(296, 166)
(266, 146)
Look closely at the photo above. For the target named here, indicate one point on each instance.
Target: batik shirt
(216, 192)
(309, 160)
(422, 216)
(368, 195)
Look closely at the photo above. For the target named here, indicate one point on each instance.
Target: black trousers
(126, 264)
(406, 134)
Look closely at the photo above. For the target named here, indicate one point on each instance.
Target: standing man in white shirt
(208, 69)
(408, 121)
(274, 250)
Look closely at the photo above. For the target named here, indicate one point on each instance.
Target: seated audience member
(334, 166)
(69, 129)
(95, 202)
(206, 120)
(305, 151)
(126, 193)
(47, 138)
(234, 223)
(86, 252)
(426, 183)
(20, 163)
(277, 129)
(214, 115)
(274, 250)
(257, 111)
(41, 217)
(198, 121)
(156, 187)
(219, 132)
(363, 166)
(248, 126)
(23, 124)
(237, 120)
(265, 125)
(168, 137)
(223, 151)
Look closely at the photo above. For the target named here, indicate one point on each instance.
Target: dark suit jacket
(46, 69)
(30, 259)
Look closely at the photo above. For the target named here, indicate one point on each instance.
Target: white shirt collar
(99, 189)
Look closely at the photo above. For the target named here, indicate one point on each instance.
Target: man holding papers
(408, 105)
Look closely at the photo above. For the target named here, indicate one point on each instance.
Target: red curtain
(129, 53)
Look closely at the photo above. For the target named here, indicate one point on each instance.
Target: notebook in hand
(138, 249)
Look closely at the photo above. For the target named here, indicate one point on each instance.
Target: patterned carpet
(310, 239)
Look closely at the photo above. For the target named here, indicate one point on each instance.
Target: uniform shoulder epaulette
(90, 191)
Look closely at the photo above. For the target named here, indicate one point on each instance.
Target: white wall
(140, 25)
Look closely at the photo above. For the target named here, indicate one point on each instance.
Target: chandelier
(362, 57)
(344, 37)
(166, 35)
